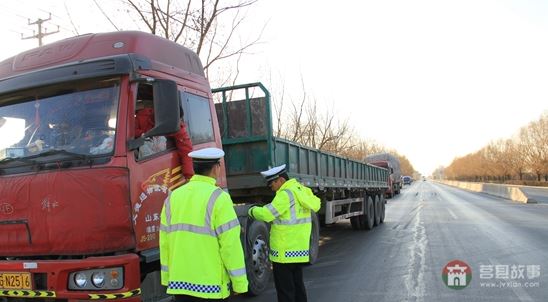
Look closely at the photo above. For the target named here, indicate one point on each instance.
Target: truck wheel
(369, 215)
(383, 209)
(377, 210)
(314, 239)
(258, 264)
(151, 289)
(356, 222)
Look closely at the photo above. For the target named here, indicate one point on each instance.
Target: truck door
(154, 166)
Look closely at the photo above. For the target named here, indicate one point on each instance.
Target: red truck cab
(80, 194)
(393, 186)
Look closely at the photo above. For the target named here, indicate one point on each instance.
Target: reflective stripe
(210, 205)
(291, 222)
(191, 228)
(165, 268)
(204, 230)
(227, 226)
(291, 204)
(199, 288)
(272, 210)
(237, 272)
(290, 254)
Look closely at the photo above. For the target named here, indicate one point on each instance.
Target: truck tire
(314, 239)
(356, 223)
(258, 264)
(369, 214)
(377, 203)
(151, 288)
(383, 209)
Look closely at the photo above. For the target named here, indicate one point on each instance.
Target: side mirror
(166, 112)
(166, 108)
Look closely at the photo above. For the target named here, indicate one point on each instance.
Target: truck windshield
(77, 117)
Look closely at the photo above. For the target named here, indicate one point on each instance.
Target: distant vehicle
(407, 180)
(392, 163)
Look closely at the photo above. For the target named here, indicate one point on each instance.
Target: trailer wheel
(369, 215)
(377, 204)
(314, 239)
(383, 208)
(258, 264)
(358, 222)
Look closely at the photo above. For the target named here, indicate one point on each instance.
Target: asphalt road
(426, 227)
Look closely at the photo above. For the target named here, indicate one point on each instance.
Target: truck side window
(144, 121)
(197, 117)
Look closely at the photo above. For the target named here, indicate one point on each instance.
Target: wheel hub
(259, 257)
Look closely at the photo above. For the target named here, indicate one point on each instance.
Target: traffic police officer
(201, 254)
(290, 213)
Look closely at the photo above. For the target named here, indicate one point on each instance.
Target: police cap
(273, 173)
(207, 155)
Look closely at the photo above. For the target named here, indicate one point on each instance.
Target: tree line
(519, 159)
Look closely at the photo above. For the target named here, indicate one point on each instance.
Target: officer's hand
(250, 212)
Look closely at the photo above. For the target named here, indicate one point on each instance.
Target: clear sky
(433, 79)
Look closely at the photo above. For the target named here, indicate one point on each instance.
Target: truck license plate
(9, 281)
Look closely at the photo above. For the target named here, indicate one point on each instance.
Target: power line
(40, 34)
(11, 9)
(105, 14)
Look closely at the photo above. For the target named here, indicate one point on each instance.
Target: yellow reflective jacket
(290, 214)
(200, 250)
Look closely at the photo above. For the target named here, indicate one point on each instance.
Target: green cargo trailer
(348, 188)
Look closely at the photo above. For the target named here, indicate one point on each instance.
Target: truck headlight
(80, 280)
(98, 279)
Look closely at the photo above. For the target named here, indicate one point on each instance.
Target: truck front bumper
(50, 279)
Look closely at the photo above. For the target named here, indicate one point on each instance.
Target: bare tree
(534, 140)
(362, 148)
(516, 162)
(320, 130)
(212, 28)
(406, 166)
(277, 104)
(297, 115)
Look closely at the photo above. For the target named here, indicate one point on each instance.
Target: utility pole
(40, 34)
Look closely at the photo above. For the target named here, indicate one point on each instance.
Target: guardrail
(514, 193)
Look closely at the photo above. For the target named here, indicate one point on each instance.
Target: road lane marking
(417, 209)
(452, 214)
(414, 279)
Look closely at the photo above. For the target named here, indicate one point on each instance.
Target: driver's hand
(36, 146)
